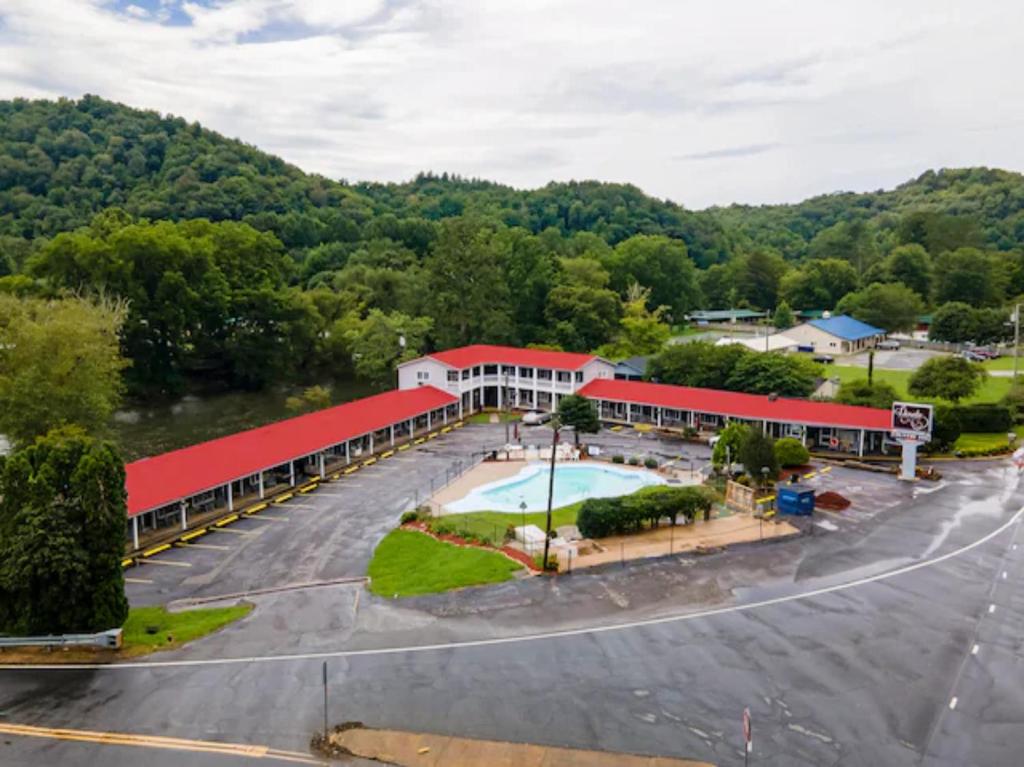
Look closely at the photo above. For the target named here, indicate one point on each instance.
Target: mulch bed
(519, 556)
(831, 501)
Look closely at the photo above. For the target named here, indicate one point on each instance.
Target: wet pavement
(848, 644)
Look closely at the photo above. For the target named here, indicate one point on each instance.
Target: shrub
(651, 463)
(946, 429)
(601, 517)
(791, 452)
(510, 533)
(757, 452)
(689, 432)
(634, 461)
(987, 417)
(409, 516)
(1014, 400)
(443, 527)
(618, 459)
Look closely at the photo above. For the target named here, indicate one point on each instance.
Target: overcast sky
(705, 102)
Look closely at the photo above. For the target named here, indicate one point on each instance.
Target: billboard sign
(911, 421)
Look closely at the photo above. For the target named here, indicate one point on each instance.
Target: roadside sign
(911, 421)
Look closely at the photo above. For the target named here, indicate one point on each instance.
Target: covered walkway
(172, 490)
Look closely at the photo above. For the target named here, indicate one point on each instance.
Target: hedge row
(986, 418)
(601, 517)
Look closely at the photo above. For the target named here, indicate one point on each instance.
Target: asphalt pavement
(851, 646)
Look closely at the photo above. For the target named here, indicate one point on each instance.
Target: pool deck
(492, 471)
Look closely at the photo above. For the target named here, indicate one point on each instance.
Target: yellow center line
(157, 741)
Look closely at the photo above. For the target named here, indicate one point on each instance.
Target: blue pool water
(573, 482)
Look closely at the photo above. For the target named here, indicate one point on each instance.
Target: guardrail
(107, 639)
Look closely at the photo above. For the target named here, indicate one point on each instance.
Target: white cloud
(703, 102)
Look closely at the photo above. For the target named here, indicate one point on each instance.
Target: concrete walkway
(413, 748)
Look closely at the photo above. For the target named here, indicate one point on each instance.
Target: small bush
(510, 533)
(634, 461)
(689, 432)
(618, 459)
(651, 463)
(443, 527)
(791, 452)
(986, 417)
(409, 516)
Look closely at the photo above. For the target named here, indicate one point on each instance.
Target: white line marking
(1004, 575)
(974, 650)
(991, 609)
(522, 638)
(952, 703)
(164, 562)
(137, 580)
(211, 546)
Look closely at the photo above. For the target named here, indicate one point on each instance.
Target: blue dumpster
(794, 499)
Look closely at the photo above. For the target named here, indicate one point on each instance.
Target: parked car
(889, 345)
(536, 417)
(824, 359)
(972, 356)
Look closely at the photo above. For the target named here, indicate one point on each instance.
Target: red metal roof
(482, 354)
(163, 479)
(756, 407)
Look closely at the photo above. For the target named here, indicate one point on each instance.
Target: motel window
(579, 376)
(422, 375)
(490, 370)
(465, 374)
(526, 372)
(563, 377)
(453, 376)
(508, 370)
(544, 375)
(476, 372)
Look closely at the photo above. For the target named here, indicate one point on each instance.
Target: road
(854, 647)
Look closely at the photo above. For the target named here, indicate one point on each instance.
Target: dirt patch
(831, 501)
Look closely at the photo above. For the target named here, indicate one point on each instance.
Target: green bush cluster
(791, 452)
(601, 517)
(981, 452)
(984, 417)
(634, 460)
(618, 459)
(651, 463)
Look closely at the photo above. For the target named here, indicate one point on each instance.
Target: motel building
(196, 485)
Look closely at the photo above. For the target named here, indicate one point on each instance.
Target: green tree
(641, 331)
(62, 527)
(952, 378)
(581, 319)
(860, 392)
(891, 306)
(971, 276)
(783, 317)
(939, 232)
(699, 363)
(907, 264)
(60, 364)
(466, 283)
(757, 452)
(773, 373)
(818, 284)
(757, 276)
(376, 344)
(660, 263)
(718, 287)
(953, 322)
(583, 273)
(728, 445)
(579, 413)
(851, 241)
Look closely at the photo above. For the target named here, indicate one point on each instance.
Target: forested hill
(979, 207)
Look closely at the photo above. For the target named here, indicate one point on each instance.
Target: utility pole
(555, 426)
(505, 402)
(1016, 338)
(871, 366)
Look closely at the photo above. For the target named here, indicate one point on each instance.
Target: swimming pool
(573, 482)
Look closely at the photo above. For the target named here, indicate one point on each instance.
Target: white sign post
(911, 426)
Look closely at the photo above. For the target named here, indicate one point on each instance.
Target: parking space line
(265, 518)
(233, 532)
(137, 580)
(164, 562)
(211, 546)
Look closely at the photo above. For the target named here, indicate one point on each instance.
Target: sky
(704, 103)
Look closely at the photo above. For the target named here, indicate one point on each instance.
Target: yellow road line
(226, 521)
(156, 549)
(157, 742)
(283, 498)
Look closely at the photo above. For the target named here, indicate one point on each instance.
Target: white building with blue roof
(835, 335)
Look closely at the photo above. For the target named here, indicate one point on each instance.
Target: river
(144, 429)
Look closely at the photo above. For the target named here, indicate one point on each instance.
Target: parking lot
(324, 535)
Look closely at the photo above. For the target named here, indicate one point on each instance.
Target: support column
(428, 416)
(629, 412)
(261, 485)
(322, 472)
(392, 435)
(460, 407)
(291, 473)
(499, 392)
(348, 459)
(412, 427)
(135, 532)
(444, 415)
(860, 445)
(231, 497)
(371, 444)
(184, 516)
(908, 468)
(659, 417)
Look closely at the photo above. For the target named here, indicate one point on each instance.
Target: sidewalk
(421, 749)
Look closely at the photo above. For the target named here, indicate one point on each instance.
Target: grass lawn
(173, 629)
(492, 524)
(1003, 363)
(503, 417)
(408, 563)
(973, 441)
(992, 389)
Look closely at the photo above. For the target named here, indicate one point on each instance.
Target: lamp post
(522, 509)
(555, 426)
(765, 471)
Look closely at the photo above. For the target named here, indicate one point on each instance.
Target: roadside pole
(1016, 338)
(555, 426)
(325, 702)
(748, 741)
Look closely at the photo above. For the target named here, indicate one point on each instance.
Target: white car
(536, 418)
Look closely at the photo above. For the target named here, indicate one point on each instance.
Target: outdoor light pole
(522, 508)
(1016, 338)
(555, 426)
